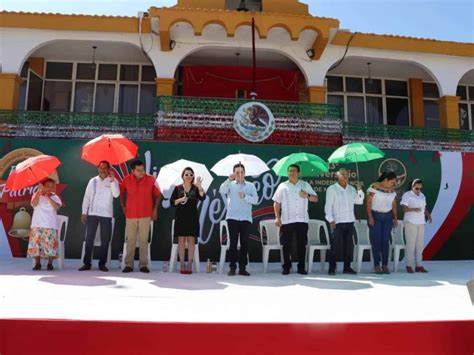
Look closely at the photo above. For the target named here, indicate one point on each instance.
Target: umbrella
(170, 175)
(115, 148)
(254, 166)
(32, 171)
(310, 164)
(356, 153)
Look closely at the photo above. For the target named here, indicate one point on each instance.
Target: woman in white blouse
(382, 217)
(414, 206)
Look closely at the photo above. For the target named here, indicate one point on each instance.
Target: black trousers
(105, 234)
(342, 236)
(287, 231)
(236, 229)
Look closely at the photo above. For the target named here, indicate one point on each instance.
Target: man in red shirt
(140, 199)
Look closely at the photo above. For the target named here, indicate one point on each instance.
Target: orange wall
(408, 44)
(417, 108)
(280, 6)
(449, 112)
(9, 91)
(72, 22)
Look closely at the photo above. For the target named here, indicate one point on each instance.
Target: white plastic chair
(174, 252)
(397, 244)
(272, 233)
(98, 244)
(363, 242)
(314, 242)
(124, 252)
(63, 222)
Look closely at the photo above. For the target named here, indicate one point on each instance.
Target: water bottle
(165, 266)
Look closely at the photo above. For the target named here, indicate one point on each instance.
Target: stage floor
(171, 297)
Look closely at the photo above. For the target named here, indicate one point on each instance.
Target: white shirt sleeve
(56, 199)
(371, 190)
(405, 199)
(277, 197)
(330, 198)
(309, 190)
(115, 188)
(86, 202)
(253, 197)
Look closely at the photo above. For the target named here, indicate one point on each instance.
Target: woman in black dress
(185, 198)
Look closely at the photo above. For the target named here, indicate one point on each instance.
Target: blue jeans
(380, 234)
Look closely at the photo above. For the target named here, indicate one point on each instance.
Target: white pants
(414, 234)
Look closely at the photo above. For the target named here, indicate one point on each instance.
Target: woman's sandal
(189, 270)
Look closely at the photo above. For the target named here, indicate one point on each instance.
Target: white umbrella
(170, 175)
(254, 166)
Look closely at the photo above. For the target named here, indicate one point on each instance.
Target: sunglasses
(189, 175)
(418, 189)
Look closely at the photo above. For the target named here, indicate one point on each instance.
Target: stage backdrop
(448, 178)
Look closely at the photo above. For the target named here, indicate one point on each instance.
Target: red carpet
(89, 337)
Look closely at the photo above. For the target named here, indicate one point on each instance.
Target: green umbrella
(310, 165)
(355, 153)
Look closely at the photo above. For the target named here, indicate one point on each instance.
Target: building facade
(77, 63)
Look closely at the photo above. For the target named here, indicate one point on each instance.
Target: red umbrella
(114, 148)
(32, 171)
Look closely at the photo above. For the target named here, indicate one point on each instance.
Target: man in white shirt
(97, 208)
(339, 210)
(291, 212)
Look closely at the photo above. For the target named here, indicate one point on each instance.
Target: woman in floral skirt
(44, 225)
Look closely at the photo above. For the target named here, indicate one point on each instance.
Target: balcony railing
(43, 124)
(211, 120)
(219, 106)
(396, 137)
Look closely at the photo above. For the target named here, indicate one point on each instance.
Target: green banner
(74, 174)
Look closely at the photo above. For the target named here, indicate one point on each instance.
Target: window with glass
(398, 112)
(35, 91)
(86, 87)
(370, 100)
(31, 89)
(23, 86)
(466, 106)
(431, 105)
